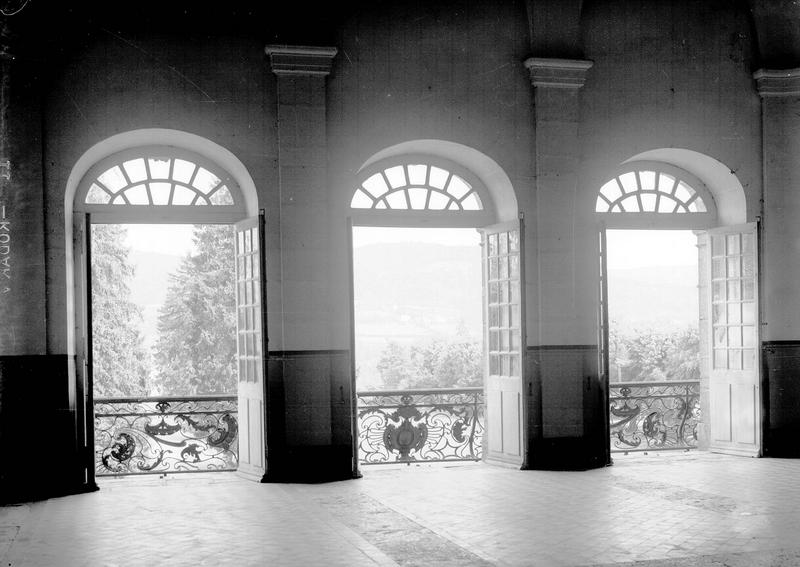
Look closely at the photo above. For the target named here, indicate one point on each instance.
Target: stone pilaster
(310, 394)
(780, 271)
(567, 431)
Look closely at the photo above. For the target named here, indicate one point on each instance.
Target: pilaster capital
(301, 60)
(782, 82)
(558, 73)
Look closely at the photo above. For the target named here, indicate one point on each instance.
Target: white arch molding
(133, 139)
(724, 186)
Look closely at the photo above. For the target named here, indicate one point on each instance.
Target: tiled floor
(659, 510)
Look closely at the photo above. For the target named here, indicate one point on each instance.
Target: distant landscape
(416, 292)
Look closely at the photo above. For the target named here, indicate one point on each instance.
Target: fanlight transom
(418, 187)
(649, 191)
(157, 180)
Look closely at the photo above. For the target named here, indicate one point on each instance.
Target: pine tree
(195, 352)
(121, 364)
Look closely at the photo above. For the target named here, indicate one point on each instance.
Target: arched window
(646, 193)
(159, 182)
(421, 187)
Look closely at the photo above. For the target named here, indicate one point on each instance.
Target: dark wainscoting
(567, 408)
(781, 390)
(310, 411)
(40, 455)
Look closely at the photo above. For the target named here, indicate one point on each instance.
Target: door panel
(735, 401)
(504, 340)
(251, 346)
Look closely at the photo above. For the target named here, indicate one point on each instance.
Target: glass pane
(504, 320)
(503, 267)
(733, 244)
(375, 185)
(182, 196)
(160, 193)
(734, 267)
(182, 170)
(515, 322)
(504, 292)
(749, 336)
(503, 239)
(748, 244)
(733, 290)
(748, 359)
(205, 181)
(159, 168)
(514, 273)
(513, 241)
(361, 200)
(720, 336)
(514, 366)
(720, 358)
(514, 341)
(494, 340)
(418, 197)
(458, 187)
(717, 245)
(397, 200)
(96, 195)
(221, 196)
(748, 313)
(494, 316)
(735, 313)
(438, 201)
(417, 174)
(396, 176)
(718, 291)
(734, 336)
(494, 364)
(113, 179)
(748, 266)
(493, 269)
(506, 365)
(438, 177)
(135, 170)
(748, 289)
(504, 341)
(718, 268)
(494, 292)
(719, 314)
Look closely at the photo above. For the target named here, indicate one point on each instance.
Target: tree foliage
(195, 352)
(654, 356)
(121, 364)
(436, 364)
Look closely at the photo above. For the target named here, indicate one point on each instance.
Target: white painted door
(735, 393)
(251, 346)
(503, 311)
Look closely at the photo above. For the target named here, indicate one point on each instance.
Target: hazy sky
(174, 239)
(640, 248)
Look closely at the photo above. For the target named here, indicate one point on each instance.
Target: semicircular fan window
(159, 181)
(418, 187)
(647, 191)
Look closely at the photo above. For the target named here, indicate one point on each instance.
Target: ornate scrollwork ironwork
(420, 425)
(165, 435)
(649, 416)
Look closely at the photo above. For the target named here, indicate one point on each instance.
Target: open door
(504, 323)
(735, 393)
(83, 400)
(251, 342)
(602, 351)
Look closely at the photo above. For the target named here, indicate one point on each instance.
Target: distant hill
(661, 298)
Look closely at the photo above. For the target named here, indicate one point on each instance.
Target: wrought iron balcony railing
(405, 426)
(165, 435)
(654, 416)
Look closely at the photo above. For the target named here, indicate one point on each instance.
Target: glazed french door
(251, 343)
(505, 340)
(735, 393)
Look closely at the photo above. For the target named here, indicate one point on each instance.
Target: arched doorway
(180, 181)
(400, 187)
(722, 410)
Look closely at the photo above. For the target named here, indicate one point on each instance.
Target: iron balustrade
(165, 435)
(650, 416)
(431, 425)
